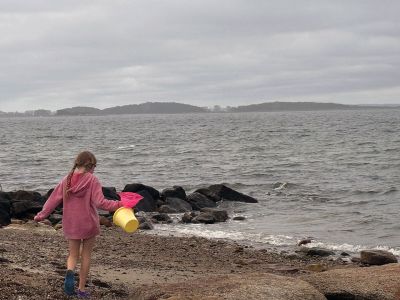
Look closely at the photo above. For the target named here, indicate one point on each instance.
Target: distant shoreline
(179, 108)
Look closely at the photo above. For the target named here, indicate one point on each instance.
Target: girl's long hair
(84, 159)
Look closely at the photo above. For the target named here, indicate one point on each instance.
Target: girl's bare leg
(87, 247)
(73, 256)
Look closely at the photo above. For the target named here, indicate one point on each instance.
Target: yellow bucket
(125, 218)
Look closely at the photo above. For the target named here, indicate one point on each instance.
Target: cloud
(230, 52)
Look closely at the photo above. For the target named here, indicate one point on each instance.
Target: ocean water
(330, 175)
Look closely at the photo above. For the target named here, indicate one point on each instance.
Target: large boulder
(148, 203)
(377, 257)
(378, 282)
(199, 201)
(5, 209)
(24, 208)
(27, 195)
(252, 286)
(220, 192)
(138, 187)
(110, 193)
(209, 194)
(178, 204)
(5, 196)
(150, 196)
(174, 192)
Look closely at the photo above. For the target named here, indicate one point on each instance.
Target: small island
(181, 108)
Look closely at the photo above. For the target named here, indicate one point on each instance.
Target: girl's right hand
(37, 218)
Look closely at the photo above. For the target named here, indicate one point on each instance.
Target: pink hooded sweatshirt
(80, 218)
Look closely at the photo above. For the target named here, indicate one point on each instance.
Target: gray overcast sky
(57, 54)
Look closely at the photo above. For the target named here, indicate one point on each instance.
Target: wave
(357, 164)
(370, 192)
(245, 237)
(262, 240)
(277, 186)
(376, 192)
(391, 150)
(366, 143)
(390, 191)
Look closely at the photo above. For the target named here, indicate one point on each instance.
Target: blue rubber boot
(69, 283)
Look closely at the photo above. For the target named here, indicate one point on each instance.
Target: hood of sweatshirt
(80, 187)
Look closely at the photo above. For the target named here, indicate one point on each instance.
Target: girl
(81, 194)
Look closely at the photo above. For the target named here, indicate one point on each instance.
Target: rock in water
(162, 218)
(219, 215)
(178, 204)
(144, 221)
(174, 192)
(166, 209)
(199, 201)
(188, 216)
(220, 192)
(377, 257)
(204, 217)
(146, 226)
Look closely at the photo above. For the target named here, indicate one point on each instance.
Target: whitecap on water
(125, 147)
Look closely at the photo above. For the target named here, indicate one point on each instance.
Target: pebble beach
(147, 266)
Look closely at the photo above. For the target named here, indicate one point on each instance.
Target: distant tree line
(28, 113)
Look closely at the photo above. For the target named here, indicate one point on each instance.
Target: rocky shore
(199, 207)
(146, 266)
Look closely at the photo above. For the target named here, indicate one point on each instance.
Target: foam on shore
(261, 240)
